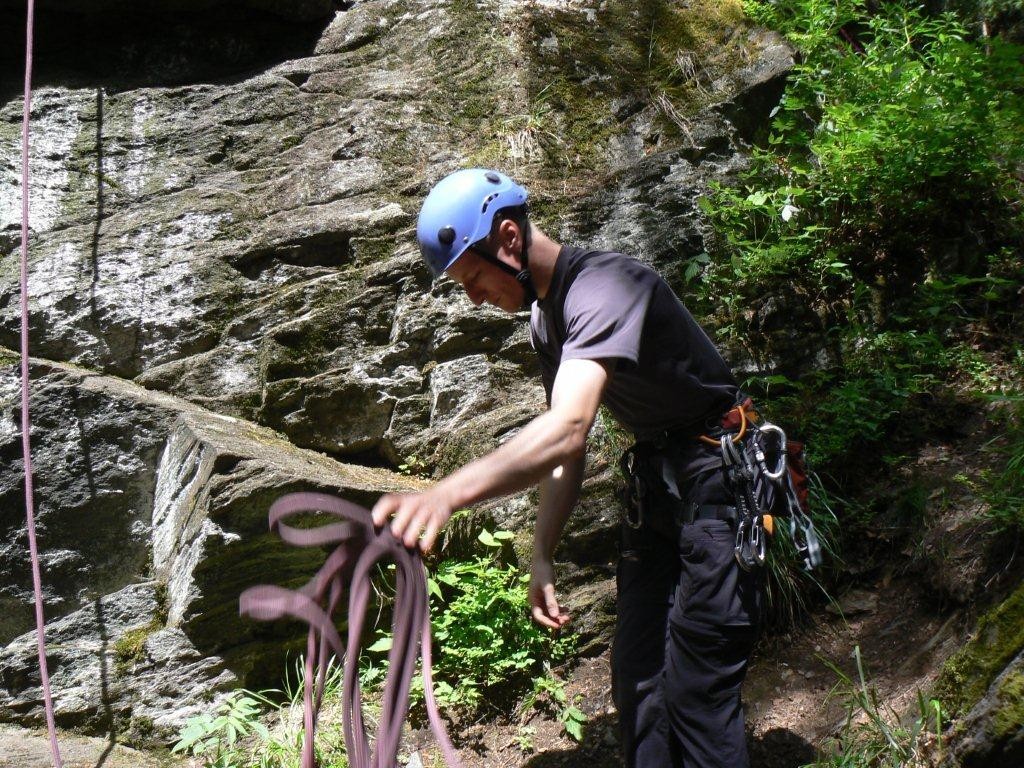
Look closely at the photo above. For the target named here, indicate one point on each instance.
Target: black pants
(687, 620)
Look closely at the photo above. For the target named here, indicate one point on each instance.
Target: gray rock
(159, 525)
(994, 728)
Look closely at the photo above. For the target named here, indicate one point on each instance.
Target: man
(609, 330)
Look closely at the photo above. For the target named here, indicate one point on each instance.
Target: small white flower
(789, 211)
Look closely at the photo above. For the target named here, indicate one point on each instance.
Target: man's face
(483, 281)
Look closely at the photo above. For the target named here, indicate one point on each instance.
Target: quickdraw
(751, 543)
(758, 472)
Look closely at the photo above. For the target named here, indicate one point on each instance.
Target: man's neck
(543, 255)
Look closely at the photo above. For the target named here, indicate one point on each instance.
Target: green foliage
(488, 652)
(549, 692)
(875, 736)
(892, 120)
(1005, 493)
(488, 646)
(897, 134)
(216, 738)
(236, 736)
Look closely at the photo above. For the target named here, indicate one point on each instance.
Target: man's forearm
(558, 493)
(547, 442)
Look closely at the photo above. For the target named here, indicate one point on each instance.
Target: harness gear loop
(739, 435)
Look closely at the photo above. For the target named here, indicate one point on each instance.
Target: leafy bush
(486, 643)
(894, 125)
(216, 738)
(897, 135)
(1005, 492)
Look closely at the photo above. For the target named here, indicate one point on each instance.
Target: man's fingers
(554, 610)
(540, 617)
(550, 601)
(402, 519)
(430, 535)
(383, 508)
(417, 521)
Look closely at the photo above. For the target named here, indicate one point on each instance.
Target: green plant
(896, 134)
(1005, 492)
(524, 738)
(414, 466)
(485, 637)
(789, 587)
(549, 691)
(486, 645)
(874, 735)
(215, 738)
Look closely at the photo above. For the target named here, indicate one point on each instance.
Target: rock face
(152, 520)
(227, 297)
(995, 726)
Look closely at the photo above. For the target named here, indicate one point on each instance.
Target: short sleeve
(604, 314)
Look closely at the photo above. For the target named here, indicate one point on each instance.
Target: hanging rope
(359, 547)
(26, 444)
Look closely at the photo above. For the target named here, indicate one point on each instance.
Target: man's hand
(543, 605)
(413, 514)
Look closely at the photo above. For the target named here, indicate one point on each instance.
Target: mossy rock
(130, 648)
(1010, 718)
(970, 672)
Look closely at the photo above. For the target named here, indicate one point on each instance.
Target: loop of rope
(26, 443)
(359, 547)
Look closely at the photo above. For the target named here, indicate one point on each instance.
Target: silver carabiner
(758, 541)
(780, 468)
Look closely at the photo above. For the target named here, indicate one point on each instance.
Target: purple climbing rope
(359, 547)
(26, 443)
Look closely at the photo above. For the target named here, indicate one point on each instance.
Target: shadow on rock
(153, 46)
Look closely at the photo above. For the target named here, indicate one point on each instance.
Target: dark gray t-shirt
(667, 374)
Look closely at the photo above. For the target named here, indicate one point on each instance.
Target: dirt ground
(788, 695)
(906, 622)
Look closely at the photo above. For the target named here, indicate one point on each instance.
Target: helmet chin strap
(522, 276)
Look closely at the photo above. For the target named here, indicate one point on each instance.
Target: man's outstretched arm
(558, 493)
(555, 438)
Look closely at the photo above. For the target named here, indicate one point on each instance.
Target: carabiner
(758, 541)
(741, 544)
(780, 467)
(635, 501)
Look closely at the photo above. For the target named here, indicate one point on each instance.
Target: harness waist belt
(694, 512)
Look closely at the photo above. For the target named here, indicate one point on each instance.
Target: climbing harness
(26, 443)
(358, 547)
(765, 471)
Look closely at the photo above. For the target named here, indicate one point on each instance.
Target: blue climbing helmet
(459, 212)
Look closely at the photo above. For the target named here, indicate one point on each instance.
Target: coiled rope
(26, 425)
(359, 547)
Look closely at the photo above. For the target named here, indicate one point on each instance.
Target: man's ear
(511, 237)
